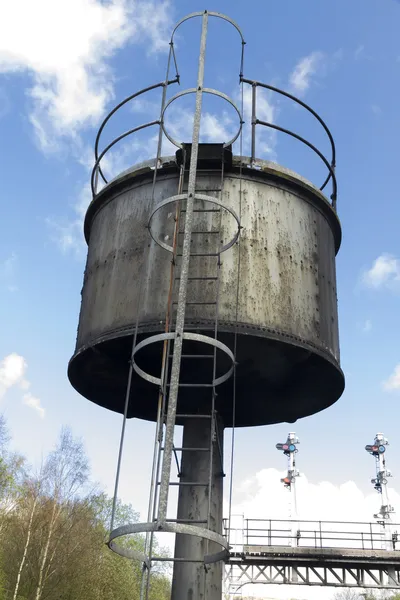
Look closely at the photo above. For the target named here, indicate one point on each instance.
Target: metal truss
(372, 572)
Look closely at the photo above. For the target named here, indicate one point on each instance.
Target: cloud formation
(12, 370)
(33, 402)
(12, 373)
(264, 496)
(265, 111)
(367, 326)
(7, 272)
(384, 272)
(301, 76)
(64, 48)
(393, 382)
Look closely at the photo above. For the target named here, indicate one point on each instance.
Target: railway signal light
(286, 447)
(287, 481)
(375, 449)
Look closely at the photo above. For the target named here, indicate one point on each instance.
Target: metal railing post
(253, 121)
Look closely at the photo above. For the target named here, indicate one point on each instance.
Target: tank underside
(278, 377)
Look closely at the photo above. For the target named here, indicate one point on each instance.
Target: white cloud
(306, 68)
(263, 495)
(34, 403)
(359, 51)
(68, 233)
(7, 272)
(12, 373)
(376, 109)
(5, 104)
(64, 47)
(12, 369)
(367, 326)
(265, 111)
(24, 385)
(384, 272)
(393, 382)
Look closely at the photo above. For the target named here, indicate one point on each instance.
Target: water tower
(209, 302)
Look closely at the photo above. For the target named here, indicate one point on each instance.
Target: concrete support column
(190, 581)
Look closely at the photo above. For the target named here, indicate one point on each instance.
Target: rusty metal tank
(277, 297)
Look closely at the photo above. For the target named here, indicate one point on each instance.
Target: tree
(65, 473)
(28, 502)
(12, 473)
(55, 528)
(348, 594)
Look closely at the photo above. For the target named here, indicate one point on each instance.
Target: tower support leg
(191, 580)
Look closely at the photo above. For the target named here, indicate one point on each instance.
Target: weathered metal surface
(288, 347)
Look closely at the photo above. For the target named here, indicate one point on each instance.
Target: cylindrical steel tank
(277, 293)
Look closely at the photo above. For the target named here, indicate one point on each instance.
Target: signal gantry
(384, 516)
(290, 450)
(378, 449)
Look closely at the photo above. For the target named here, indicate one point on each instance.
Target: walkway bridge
(324, 553)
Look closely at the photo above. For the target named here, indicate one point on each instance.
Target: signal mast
(384, 516)
(290, 450)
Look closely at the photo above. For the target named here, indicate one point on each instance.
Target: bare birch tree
(65, 473)
(30, 501)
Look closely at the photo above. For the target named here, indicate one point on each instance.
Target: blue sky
(62, 68)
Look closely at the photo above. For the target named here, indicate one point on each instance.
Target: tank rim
(246, 420)
(151, 327)
(262, 168)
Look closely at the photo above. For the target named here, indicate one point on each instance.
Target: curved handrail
(97, 169)
(210, 14)
(206, 90)
(307, 143)
(112, 112)
(218, 16)
(330, 166)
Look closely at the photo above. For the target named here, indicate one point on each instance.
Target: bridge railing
(257, 534)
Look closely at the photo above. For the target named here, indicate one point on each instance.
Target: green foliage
(53, 531)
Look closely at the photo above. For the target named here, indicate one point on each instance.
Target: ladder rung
(194, 385)
(191, 327)
(201, 232)
(202, 254)
(208, 189)
(185, 520)
(184, 416)
(198, 483)
(198, 303)
(207, 170)
(199, 278)
(194, 356)
(203, 210)
(190, 449)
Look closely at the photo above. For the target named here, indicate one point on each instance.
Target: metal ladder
(211, 280)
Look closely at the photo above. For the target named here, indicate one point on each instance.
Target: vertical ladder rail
(146, 572)
(180, 317)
